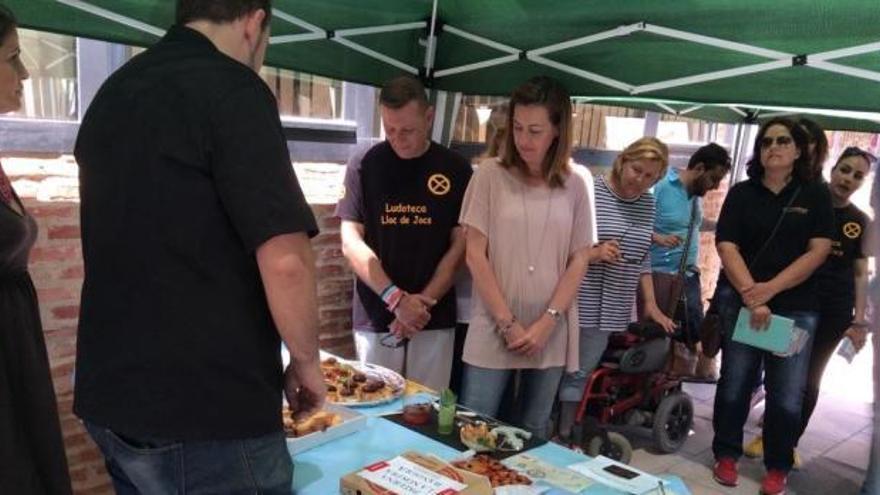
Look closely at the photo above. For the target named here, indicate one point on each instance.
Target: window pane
(304, 95)
(51, 91)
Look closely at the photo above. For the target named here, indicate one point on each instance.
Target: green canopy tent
(676, 57)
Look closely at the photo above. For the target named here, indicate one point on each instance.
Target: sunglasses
(768, 141)
(392, 341)
(856, 151)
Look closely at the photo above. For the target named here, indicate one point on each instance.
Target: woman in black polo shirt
(774, 231)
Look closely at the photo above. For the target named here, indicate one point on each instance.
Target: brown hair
(646, 148)
(8, 22)
(496, 128)
(553, 96)
(398, 92)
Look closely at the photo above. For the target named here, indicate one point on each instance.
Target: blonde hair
(646, 148)
(553, 96)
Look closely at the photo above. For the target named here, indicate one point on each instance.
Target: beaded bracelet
(394, 299)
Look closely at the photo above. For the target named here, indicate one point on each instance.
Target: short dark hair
(711, 156)
(816, 136)
(399, 91)
(803, 168)
(220, 10)
(8, 22)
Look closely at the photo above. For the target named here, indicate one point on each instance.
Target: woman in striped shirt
(606, 296)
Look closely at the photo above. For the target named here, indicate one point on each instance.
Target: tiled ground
(835, 447)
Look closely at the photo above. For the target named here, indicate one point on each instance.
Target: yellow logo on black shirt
(439, 184)
(852, 230)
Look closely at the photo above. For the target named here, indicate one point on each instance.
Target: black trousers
(832, 326)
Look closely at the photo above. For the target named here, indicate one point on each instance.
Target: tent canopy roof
(788, 53)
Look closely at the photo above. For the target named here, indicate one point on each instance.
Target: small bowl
(417, 414)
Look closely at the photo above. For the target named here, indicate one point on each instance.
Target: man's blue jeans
(785, 381)
(256, 465)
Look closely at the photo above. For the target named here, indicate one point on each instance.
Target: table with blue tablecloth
(317, 471)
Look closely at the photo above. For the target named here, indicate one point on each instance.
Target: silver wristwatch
(554, 313)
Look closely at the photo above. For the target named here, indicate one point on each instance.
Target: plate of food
(350, 383)
(499, 475)
(328, 424)
(481, 437)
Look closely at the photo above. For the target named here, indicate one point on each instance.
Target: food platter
(350, 383)
(324, 426)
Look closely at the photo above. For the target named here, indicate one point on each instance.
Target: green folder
(776, 338)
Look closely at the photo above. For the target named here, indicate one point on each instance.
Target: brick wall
(48, 186)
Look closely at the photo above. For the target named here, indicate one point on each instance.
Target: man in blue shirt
(677, 199)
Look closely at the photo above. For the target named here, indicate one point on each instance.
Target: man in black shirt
(401, 235)
(197, 258)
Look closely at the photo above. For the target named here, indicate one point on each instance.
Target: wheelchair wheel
(672, 422)
(617, 447)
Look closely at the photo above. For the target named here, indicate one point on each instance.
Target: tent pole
(432, 43)
(113, 16)
(586, 40)
(476, 66)
(712, 76)
(607, 81)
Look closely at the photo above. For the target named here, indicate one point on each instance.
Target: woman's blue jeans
(483, 389)
(785, 381)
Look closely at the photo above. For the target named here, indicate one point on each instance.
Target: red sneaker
(725, 471)
(774, 482)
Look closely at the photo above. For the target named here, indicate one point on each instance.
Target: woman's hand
(669, 240)
(759, 294)
(858, 336)
(652, 312)
(605, 252)
(760, 317)
(535, 337)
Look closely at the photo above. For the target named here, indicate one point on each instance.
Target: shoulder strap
(775, 228)
(682, 265)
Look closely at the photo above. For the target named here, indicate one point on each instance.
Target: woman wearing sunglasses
(529, 218)
(774, 231)
(625, 220)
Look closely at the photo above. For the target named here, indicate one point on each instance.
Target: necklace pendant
(531, 269)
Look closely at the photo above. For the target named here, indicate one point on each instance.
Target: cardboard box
(413, 474)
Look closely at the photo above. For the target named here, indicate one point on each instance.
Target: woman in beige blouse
(530, 225)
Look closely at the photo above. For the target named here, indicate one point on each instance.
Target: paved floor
(834, 448)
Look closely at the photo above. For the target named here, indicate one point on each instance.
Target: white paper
(595, 469)
(405, 477)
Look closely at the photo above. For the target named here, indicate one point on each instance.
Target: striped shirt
(607, 294)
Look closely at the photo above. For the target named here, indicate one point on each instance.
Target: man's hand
(668, 240)
(760, 317)
(305, 389)
(606, 252)
(759, 294)
(402, 330)
(653, 313)
(414, 310)
(858, 336)
(535, 337)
